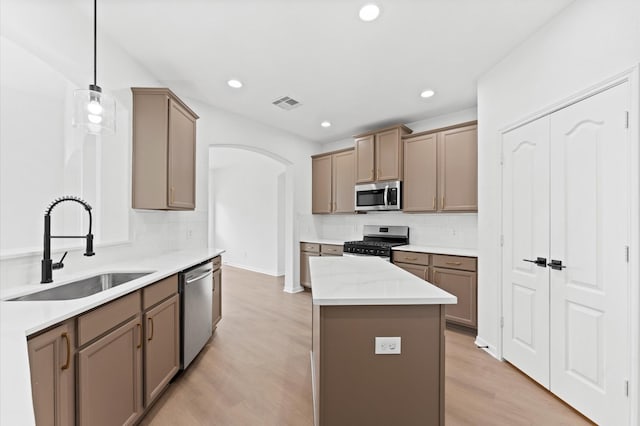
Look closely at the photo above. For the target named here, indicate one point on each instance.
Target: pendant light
(93, 110)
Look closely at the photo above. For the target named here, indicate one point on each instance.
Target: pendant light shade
(93, 110)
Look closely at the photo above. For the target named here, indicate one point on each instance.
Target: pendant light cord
(95, 43)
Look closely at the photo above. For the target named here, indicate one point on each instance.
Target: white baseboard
(490, 349)
(253, 269)
(297, 289)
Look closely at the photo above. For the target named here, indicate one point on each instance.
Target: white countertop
(21, 319)
(370, 281)
(323, 241)
(438, 250)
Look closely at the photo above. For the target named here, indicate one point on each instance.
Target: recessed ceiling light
(427, 93)
(236, 84)
(369, 12)
(326, 124)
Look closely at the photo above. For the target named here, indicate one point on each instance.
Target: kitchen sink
(84, 287)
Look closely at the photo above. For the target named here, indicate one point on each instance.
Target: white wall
(457, 230)
(247, 201)
(588, 42)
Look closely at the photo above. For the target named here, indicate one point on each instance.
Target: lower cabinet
(454, 274)
(110, 377)
(457, 275)
(308, 250)
(162, 347)
(53, 381)
(217, 296)
(127, 352)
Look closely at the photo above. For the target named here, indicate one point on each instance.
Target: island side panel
(315, 362)
(359, 387)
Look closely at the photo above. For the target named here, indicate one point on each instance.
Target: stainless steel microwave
(379, 196)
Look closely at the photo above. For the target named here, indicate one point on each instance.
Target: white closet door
(589, 166)
(526, 236)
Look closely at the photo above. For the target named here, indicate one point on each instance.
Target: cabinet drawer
(454, 262)
(310, 247)
(331, 249)
(411, 257)
(216, 262)
(159, 291)
(106, 317)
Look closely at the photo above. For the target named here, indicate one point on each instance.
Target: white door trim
(632, 76)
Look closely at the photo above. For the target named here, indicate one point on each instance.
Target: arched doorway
(251, 209)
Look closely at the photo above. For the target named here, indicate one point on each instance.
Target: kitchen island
(359, 378)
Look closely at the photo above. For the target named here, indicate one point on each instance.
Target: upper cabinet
(379, 154)
(441, 170)
(333, 180)
(164, 151)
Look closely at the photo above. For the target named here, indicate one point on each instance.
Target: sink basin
(85, 287)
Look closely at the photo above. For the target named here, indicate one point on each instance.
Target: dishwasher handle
(199, 277)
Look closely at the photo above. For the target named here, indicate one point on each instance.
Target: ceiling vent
(286, 103)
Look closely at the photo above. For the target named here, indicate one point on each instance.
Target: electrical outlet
(388, 345)
(189, 234)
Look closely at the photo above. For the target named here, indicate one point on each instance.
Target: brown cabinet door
(389, 155)
(182, 157)
(110, 377)
(365, 159)
(162, 347)
(458, 169)
(305, 276)
(344, 180)
(321, 184)
(217, 296)
(461, 284)
(51, 361)
(420, 174)
(419, 271)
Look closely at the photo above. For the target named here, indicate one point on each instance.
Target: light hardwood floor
(256, 370)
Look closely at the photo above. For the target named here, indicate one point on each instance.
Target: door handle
(540, 261)
(556, 264)
(386, 193)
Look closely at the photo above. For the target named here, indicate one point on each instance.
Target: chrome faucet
(47, 265)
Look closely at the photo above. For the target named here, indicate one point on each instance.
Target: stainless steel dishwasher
(196, 303)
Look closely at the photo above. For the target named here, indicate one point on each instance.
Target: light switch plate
(388, 345)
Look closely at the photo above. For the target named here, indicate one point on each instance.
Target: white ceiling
(357, 75)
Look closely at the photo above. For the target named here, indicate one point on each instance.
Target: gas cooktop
(378, 240)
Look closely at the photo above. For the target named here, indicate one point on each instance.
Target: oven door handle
(386, 195)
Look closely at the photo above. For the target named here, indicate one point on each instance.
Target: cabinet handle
(410, 258)
(443, 201)
(150, 321)
(372, 175)
(140, 335)
(171, 195)
(453, 263)
(434, 203)
(65, 336)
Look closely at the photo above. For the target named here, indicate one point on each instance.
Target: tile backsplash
(459, 230)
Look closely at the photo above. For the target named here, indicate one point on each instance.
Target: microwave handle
(386, 195)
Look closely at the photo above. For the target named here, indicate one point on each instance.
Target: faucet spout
(47, 265)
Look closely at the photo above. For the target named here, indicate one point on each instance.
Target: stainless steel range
(378, 241)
